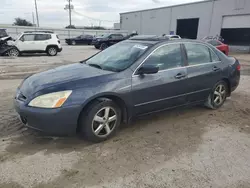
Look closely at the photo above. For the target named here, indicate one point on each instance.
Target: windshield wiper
(95, 65)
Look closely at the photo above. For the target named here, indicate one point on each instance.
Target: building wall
(200, 10)
(164, 20)
(226, 8)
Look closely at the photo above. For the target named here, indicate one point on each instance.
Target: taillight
(59, 41)
(238, 67)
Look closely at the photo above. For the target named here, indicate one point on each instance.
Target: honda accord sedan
(133, 78)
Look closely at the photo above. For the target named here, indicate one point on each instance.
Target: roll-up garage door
(241, 21)
(236, 29)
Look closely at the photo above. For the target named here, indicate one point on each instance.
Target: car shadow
(163, 125)
(33, 55)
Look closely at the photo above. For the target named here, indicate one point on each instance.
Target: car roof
(154, 39)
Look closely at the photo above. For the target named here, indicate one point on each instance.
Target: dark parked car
(132, 78)
(3, 33)
(107, 40)
(82, 39)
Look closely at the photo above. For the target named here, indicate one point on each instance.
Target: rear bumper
(60, 121)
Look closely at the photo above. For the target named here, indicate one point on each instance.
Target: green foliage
(22, 22)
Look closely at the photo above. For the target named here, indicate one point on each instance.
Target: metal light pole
(33, 18)
(70, 21)
(37, 18)
(69, 7)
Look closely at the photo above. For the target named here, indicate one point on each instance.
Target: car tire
(97, 47)
(218, 95)
(73, 42)
(103, 46)
(52, 51)
(95, 123)
(14, 52)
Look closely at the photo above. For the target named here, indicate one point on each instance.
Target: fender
(5, 49)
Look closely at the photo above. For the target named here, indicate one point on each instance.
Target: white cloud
(52, 13)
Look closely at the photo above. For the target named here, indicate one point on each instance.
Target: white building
(228, 18)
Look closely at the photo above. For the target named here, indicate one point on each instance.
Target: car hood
(60, 75)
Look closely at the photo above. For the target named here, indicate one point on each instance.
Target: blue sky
(52, 13)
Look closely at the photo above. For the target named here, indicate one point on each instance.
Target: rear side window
(40, 37)
(214, 57)
(166, 57)
(197, 54)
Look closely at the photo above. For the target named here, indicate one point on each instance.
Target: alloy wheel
(219, 94)
(104, 122)
(13, 53)
(52, 51)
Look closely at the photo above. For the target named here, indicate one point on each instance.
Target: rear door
(204, 71)
(165, 89)
(41, 42)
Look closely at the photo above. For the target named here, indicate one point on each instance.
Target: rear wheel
(97, 47)
(52, 51)
(218, 95)
(100, 120)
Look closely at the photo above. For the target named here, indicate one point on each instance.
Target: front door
(204, 71)
(165, 89)
(26, 42)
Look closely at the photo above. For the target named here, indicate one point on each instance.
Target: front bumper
(60, 121)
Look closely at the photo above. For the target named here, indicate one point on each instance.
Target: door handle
(180, 75)
(216, 68)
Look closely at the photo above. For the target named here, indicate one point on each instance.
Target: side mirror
(148, 69)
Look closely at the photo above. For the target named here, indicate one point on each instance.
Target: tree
(70, 27)
(22, 22)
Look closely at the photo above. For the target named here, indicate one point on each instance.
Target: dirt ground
(193, 147)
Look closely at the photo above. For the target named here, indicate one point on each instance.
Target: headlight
(51, 100)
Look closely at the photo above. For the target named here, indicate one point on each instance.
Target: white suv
(38, 42)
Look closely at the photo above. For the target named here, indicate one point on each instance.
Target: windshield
(104, 36)
(118, 57)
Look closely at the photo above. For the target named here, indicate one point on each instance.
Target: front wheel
(218, 95)
(103, 46)
(13, 52)
(100, 120)
(52, 51)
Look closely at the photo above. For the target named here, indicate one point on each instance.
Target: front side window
(118, 57)
(197, 54)
(28, 37)
(166, 57)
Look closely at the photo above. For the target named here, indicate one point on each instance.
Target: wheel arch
(51, 45)
(228, 85)
(109, 96)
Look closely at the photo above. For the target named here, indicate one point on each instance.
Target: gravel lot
(193, 147)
